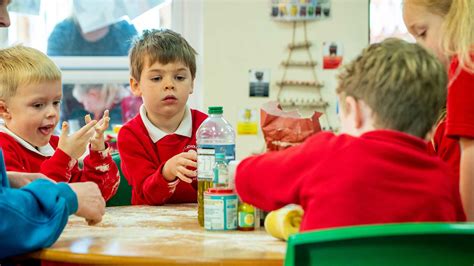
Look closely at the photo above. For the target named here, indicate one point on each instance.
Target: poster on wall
(259, 82)
(297, 10)
(332, 55)
(247, 122)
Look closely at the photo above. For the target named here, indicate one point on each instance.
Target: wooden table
(164, 235)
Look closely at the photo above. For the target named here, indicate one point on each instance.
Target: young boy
(378, 170)
(34, 209)
(30, 95)
(157, 147)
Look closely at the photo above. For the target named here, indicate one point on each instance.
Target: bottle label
(206, 158)
(221, 176)
(246, 220)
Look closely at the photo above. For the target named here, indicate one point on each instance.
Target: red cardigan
(381, 177)
(98, 166)
(460, 104)
(446, 148)
(143, 160)
(459, 121)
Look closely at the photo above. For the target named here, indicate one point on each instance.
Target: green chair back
(123, 196)
(387, 244)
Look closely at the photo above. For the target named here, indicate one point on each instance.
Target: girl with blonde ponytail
(446, 27)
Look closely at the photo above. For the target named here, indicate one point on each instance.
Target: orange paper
(285, 129)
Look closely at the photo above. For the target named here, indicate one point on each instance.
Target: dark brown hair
(164, 46)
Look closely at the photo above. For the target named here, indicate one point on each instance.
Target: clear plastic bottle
(221, 172)
(215, 135)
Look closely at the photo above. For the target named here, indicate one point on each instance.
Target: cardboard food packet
(285, 129)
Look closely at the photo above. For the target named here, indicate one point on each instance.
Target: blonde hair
(164, 46)
(403, 84)
(20, 65)
(457, 29)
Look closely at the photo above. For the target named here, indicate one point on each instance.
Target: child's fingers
(93, 221)
(190, 155)
(84, 136)
(105, 119)
(87, 118)
(184, 178)
(64, 129)
(186, 172)
(188, 163)
(99, 128)
(104, 124)
(89, 134)
(98, 132)
(85, 129)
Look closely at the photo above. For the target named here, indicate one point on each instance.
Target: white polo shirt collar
(46, 150)
(185, 128)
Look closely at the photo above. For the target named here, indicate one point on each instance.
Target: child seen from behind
(378, 170)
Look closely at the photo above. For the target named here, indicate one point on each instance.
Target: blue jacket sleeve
(34, 216)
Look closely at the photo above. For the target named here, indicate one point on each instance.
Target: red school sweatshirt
(143, 160)
(98, 165)
(382, 176)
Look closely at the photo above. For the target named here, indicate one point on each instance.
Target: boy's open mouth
(46, 130)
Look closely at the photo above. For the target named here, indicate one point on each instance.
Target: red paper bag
(285, 129)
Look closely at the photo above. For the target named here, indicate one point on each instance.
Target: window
(89, 40)
(33, 24)
(80, 99)
(386, 20)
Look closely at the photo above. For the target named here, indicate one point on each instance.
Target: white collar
(185, 127)
(46, 150)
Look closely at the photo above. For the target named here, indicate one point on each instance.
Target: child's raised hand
(98, 141)
(76, 144)
(177, 166)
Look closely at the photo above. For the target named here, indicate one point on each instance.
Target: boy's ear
(135, 87)
(354, 111)
(192, 87)
(4, 113)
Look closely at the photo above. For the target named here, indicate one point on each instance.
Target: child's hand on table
(90, 203)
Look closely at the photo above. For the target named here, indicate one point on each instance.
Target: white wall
(240, 35)
(187, 19)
